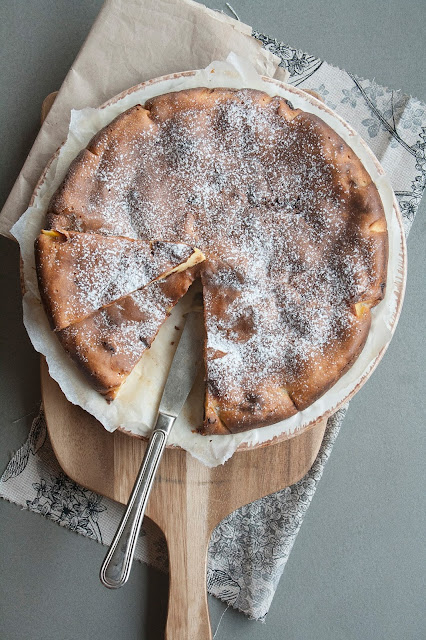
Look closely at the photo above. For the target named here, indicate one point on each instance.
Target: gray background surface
(357, 568)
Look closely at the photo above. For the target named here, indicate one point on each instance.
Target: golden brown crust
(290, 221)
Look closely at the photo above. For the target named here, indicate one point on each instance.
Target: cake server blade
(184, 366)
(116, 567)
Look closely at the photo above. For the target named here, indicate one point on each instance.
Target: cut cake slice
(79, 273)
(107, 345)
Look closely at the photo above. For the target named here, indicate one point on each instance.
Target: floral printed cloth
(249, 549)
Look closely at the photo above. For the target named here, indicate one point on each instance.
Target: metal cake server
(116, 567)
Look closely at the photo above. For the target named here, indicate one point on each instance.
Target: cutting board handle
(188, 612)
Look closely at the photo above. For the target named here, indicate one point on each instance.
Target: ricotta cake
(293, 232)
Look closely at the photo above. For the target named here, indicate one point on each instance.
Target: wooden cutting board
(188, 499)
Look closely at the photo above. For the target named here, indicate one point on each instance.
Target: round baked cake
(291, 226)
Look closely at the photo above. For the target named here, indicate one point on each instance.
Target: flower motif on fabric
(63, 501)
(350, 96)
(223, 586)
(35, 440)
(374, 91)
(324, 93)
(372, 125)
(387, 110)
(410, 200)
(420, 151)
(296, 62)
(408, 207)
(299, 64)
(412, 118)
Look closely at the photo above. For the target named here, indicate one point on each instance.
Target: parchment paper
(137, 403)
(130, 42)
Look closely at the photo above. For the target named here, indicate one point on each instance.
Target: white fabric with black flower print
(249, 549)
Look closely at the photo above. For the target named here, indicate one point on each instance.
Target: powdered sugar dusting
(92, 271)
(112, 330)
(264, 199)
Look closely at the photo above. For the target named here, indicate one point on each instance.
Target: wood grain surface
(188, 499)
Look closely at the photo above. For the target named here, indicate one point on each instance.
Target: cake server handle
(116, 567)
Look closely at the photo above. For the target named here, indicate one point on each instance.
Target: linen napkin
(249, 549)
